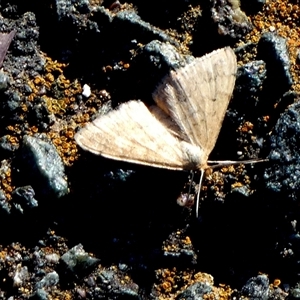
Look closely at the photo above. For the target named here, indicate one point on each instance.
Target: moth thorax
(193, 155)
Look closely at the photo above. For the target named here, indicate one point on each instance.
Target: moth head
(186, 200)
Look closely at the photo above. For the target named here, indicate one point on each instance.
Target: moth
(181, 130)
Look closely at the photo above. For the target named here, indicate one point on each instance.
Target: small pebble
(86, 91)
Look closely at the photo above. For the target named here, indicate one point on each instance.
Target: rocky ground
(79, 226)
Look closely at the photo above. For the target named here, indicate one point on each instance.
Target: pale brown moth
(178, 133)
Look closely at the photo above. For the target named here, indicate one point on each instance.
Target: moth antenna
(198, 195)
(222, 163)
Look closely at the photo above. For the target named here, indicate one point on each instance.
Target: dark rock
(166, 55)
(52, 258)
(43, 166)
(12, 103)
(157, 58)
(39, 115)
(77, 262)
(243, 190)
(21, 276)
(64, 7)
(90, 281)
(132, 23)
(119, 175)
(277, 293)
(4, 205)
(111, 281)
(256, 288)
(40, 294)
(249, 82)
(273, 51)
(294, 294)
(230, 19)
(51, 279)
(4, 81)
(81, 293)
(23, 198)
(26, 55)
(284, 171)
(195, 291)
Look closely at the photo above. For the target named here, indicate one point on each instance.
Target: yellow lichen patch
(276, 282)
(5, 179)
(62, 82)
(216, 180)
(167, 280)
(95, 2)
(65, 144)
(54, 66)
(82, 118)
(49, 77)
(14, 134)
(221, 293)
(59, 95)
(187, 22)
(54, 82)
(55, 106)
(246, 127)
(187, 240)
(236, 185)
(177, 241)
(172, 282)
(3, 254)
(204, 277)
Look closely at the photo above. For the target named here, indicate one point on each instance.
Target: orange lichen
(187, 240)
(49, 77)
(168, 279)
(246, 127)
(126, 66)
(236, 185)
(5, 179)
(173, 282)
(276, 282)
(216, 180)
(59, 96)
(54, 66)
(107, 69)
(65, 145)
